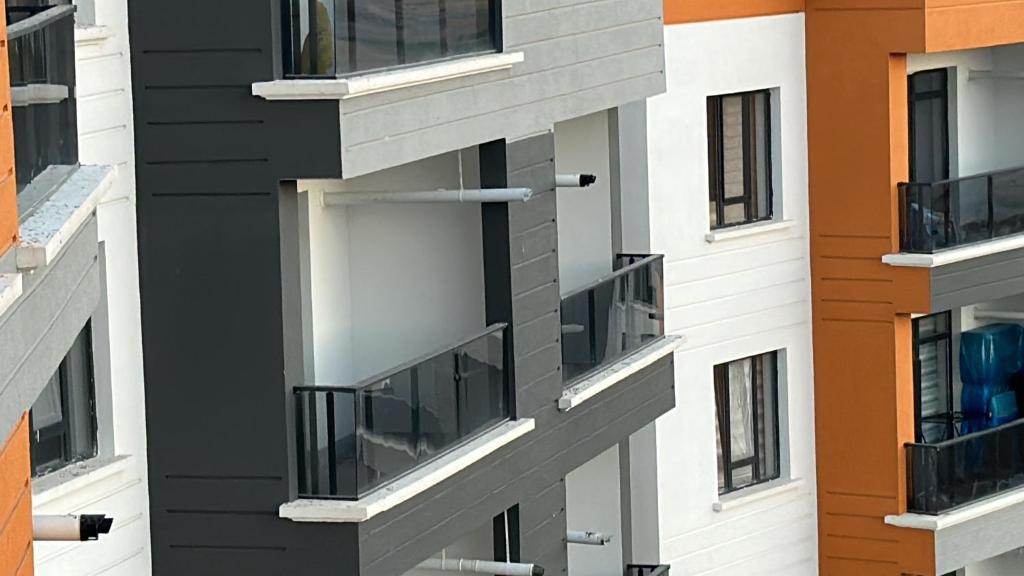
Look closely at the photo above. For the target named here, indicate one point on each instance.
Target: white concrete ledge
(10, 290)
(958, 516)
(604, 379)
(33, 94)
(955, 255)
(86, 35)
(410, 485)
(746, 230)
(757, 493)
(57, 219)
(77, 478)
(344, 88)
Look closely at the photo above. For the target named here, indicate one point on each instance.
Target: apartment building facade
(377, 340)
(71, 373)
(913, 111)
(727, 148)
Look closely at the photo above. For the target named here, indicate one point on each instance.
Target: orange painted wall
(683, 11)
(8, 190)
(16, 504)
(858, 152)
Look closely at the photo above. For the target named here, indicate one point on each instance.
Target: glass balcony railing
(342, 37)
(647, 570)
(950, 213)
(613, 317)
(41, 57)
(963, 470)
(353, 440)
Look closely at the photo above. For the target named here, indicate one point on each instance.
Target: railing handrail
(616, 274)
(404, 366)
(966, 438)
(960, 178)
(38, 21)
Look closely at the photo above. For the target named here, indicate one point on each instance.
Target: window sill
(56, 220)
(754, 494)
(76, 478)
(409, 486)
(85, 35)
(745, 230)
(10, 290)
(600, 381)
(345, 88)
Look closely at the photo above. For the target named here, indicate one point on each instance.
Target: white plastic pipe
(589, 538)
(574, 180)
(338, 198)
(481, 567)
(70, 528)
(999, 315)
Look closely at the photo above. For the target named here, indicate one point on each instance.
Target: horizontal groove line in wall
(655, 400)
(859, 495)
(24, 556)
(509, 16)
(865, 9)
(227, 547)
(102, 131)
(208, 161)
(534, 259)
(224, 477)
(854, 537)
(855, 236)
(841, 279)
(536, 227)
(121, 524)
(532, 166)
(236, 50)
(110, 566)
(17, 502)
(868, 560)
(719, 342)
(119, 488)
(716, 277)
(847, 257)
(534, 290)
(545, 315)
(208, 194)
(851, 515)
(526, 357)
(186, 512)
(767, 511)
(204, 122)
(972, 5)
(114, 55)
(527, 104)
(855, 301)
(679, 307)
(738, 249)
(605, 30)
(101, 94)
(861, 320)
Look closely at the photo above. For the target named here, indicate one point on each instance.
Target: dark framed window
(740, 158)
(933, 378)
(747, 421)
(63, 419)
(928, 94)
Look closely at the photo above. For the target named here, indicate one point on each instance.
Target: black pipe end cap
(92, 525)
(587, 179)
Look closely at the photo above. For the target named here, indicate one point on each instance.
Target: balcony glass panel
(951, 213)
(961, 471)
(613, 317)
(325, 38)
(41, 56)
(353, 440)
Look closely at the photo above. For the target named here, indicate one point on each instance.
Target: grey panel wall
(36, 333)
(210, 158)
(977, 280)
(581, 56)
(521, 274)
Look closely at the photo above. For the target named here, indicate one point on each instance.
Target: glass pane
(613, 318)
(759, 139)
(768, 417)
(376, 34)
(47, 410)
(426, 29)
(316, 19)
(1008, 202)
(733, 159)
(741, 411)
(469, 26)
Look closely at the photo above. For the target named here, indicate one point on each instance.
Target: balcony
(42, 64)
(614, 317)
(647, 570)
(964, 470)
(330, 38)
(354, 440)
(936, 216)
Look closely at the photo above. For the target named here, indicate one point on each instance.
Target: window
(933, 378)
(740, 156)
(747, 421)
(63, 419)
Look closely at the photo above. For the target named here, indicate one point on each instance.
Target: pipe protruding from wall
(340, 198)
(70, 528)
(481, 567)
(575, 180)
(589, 538)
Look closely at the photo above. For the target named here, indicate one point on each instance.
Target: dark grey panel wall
(977, 280)
(38, 330)
(210, 157)
(521, 274)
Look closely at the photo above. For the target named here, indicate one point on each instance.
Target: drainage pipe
(574, 180)
(481, 567)
(337, 198)
(70, 528)
(589, 538)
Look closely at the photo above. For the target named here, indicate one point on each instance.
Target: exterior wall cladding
(220, 327)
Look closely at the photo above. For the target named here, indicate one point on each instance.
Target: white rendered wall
(1009, 564)
(392, 282)
(731, 299)
(106, 137)
(477, 545)
(584, 214)
(987, 124)
(592, 504)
